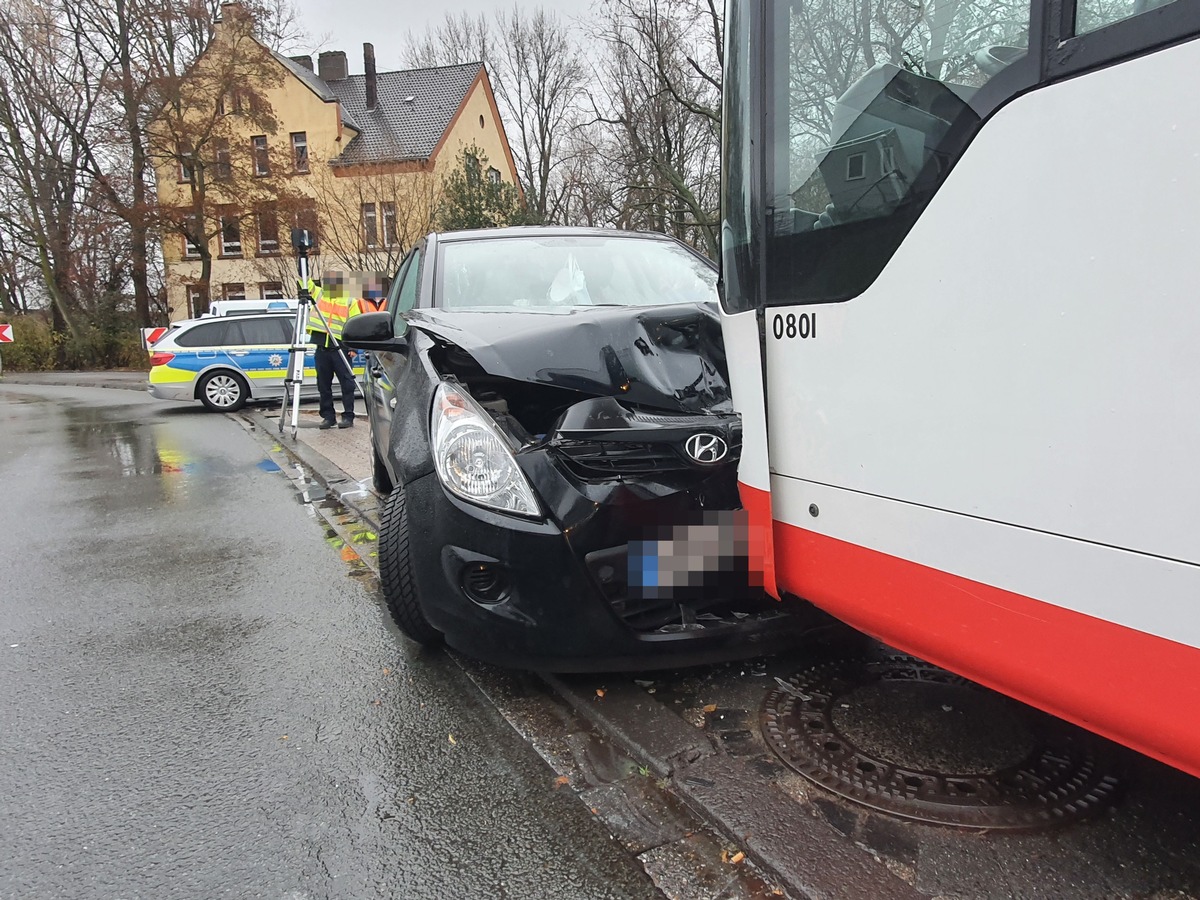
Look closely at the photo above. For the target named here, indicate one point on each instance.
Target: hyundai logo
(706, 449)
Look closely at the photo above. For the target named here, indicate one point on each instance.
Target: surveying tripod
(302, 243)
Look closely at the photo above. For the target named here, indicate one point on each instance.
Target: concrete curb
(366, 505)
(30, 378)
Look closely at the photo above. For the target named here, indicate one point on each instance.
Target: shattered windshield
(567, 272)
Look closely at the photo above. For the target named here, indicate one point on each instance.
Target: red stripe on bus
(1135, 688)
(757, 504)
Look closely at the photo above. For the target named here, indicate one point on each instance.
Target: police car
(226, 362)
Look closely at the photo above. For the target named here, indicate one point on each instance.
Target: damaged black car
(552, 426)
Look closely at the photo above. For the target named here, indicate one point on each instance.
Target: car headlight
(473, 459)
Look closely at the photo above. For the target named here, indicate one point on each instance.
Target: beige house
(259, 143)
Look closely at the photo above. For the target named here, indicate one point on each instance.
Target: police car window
(284, 327)
(254, 331)
(211, 334)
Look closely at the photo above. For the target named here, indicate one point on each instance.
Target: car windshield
(556, 273)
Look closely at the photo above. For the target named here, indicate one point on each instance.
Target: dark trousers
(328, 365)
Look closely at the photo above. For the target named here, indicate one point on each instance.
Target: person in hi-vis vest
(373, 298)
(330, 298)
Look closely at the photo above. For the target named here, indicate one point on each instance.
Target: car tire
(223, 391)
(379, 474)
(396, 575)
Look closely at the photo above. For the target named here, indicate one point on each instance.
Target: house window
(856, 166)
(234, 291)
(193, 229)
(300, 151)
(493, 175)
(306, 218)
(224, 161)
(197, 301)
(185, 165)
(370, 225)
(268, 230)
(390, 237)
(231, 236)
(271, 290)
(258, 149)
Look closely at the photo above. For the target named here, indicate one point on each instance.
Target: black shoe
(347, 422)
(327, 423)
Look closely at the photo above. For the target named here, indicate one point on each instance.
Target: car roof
(536, 231)
(241, 317)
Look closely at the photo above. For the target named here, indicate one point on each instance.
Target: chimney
(331, 66)
(371, 81)
(304, 60)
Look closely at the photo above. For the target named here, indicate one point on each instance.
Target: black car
(552, 425)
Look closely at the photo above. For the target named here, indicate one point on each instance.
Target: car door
(384, 370)
(258, 347)
(200, 348)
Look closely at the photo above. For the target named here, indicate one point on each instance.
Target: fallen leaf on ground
(561, 780)
(712, 707)
(284, 738)
(599, 692)
(387, 671)
(452, 740)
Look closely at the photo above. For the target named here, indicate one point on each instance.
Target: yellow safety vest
(336, 311)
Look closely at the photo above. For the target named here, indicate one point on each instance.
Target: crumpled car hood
(665, 357)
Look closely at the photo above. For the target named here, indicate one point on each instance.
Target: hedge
(35, 348)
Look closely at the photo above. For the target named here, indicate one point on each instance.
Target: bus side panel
(743, 348)
(1015, 398)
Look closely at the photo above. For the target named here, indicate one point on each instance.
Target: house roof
(414, 109)
(316, 85)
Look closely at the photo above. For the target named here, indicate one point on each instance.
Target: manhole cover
(904, 737)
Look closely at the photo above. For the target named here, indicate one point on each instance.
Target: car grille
(607, 459)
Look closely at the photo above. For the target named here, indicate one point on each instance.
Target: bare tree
(660, 95)
(455, 41)
(370, 220)
(207, 111)
(540, 75)
(41, 157)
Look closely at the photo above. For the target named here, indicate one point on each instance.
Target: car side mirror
(373, 331)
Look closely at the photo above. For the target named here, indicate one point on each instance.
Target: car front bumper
(550, 612)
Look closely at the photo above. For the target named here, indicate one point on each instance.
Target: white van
(249, 307)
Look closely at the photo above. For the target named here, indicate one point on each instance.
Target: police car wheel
(223, 391)
(396, 575)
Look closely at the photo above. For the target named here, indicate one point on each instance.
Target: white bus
(961, 282)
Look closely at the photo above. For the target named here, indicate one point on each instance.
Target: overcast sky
(346, 24)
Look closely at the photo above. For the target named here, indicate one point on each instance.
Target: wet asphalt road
(197, 699)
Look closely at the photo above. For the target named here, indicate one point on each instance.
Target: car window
(210, 334)
(406, 296)
(256, 331)
(568, 271)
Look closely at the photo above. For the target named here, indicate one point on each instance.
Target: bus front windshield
(865, 107)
